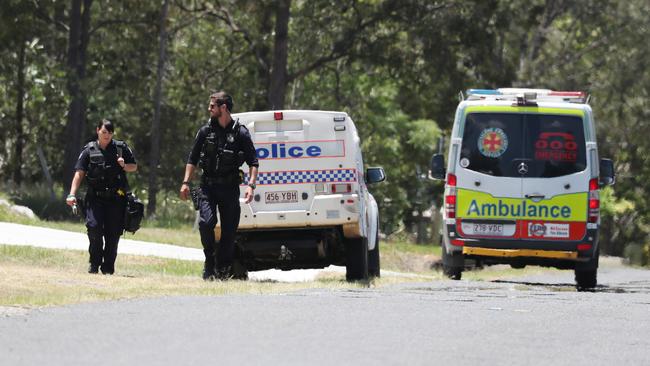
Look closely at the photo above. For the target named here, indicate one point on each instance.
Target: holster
(194, 194)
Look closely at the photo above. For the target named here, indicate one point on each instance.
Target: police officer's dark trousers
(225, 197)
(105, 223)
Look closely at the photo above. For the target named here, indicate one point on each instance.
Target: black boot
(93, 268)
(108, 269)
(209, 272)
(224, 273)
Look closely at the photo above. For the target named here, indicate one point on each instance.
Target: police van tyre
(356, 261)
(239, 271)
(374, 269)
(452, 265)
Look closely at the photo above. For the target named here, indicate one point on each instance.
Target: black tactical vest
(221, 154)
(104, 175)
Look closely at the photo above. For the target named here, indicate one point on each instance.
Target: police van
(311, 207)
(522, 182)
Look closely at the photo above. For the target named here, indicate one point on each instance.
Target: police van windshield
(549, 145)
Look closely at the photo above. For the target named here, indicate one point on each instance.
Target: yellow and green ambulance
(522, 182)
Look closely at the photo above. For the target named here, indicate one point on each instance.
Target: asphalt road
(538, 320)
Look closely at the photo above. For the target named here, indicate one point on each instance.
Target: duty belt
(109, 193)
(231, 179)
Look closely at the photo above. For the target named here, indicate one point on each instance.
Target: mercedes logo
(522, 168)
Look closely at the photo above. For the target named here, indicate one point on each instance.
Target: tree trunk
(263, 51)
(155, 124)
(76, 72)
(20, 133)
(278, 87)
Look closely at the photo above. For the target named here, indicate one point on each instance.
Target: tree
(155, 125)
(79, 36)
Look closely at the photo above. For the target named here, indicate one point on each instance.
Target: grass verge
(35, 277)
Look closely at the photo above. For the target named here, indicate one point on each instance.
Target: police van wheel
(586, 279)
(373, 260)
(356, 261)
(239, 271)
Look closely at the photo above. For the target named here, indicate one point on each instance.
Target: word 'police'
(281, 151)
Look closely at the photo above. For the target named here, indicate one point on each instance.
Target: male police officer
(221, 147)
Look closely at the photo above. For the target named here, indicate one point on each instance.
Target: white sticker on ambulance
(548, 230)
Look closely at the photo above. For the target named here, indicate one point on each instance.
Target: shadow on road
(624, 288)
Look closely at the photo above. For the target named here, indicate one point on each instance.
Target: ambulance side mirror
(607, 175)
(375, 175)
(438, 169)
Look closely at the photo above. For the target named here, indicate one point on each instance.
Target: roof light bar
(568, 93)
(527, 94)
(483, 92)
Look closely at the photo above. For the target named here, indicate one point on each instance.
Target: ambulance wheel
(452, 264)
(373, 260)
(239, 271)
(586, 279)
(356, 261)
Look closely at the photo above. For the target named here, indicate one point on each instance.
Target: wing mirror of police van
(607, 175)
(375, 175)
(438, 169)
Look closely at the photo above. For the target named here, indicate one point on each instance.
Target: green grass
(35, 277)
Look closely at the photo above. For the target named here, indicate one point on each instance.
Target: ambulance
(522, 182)
(311, 207)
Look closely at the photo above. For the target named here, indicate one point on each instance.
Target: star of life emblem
(492, 142)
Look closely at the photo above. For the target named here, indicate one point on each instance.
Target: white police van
(311, 207)
(522, 182)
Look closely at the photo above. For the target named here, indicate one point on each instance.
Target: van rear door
(556, 178)
(487, 175)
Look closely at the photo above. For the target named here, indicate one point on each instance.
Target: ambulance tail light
(584, 247)
(278, 116)
(594, 200)
(341, 188)
(450, 196)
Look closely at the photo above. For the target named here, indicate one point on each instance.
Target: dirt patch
(410, 262)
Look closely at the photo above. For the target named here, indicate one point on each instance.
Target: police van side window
(555, 145)
(491, 143)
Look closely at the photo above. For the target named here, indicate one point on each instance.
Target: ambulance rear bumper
(556, 253)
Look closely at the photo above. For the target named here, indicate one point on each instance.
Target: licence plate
(281, 197)
(472, 228)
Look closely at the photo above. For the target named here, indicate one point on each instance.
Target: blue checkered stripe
(305, 176)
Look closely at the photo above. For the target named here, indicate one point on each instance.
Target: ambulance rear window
(497, 143)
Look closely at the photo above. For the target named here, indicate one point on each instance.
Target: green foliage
(395, 66)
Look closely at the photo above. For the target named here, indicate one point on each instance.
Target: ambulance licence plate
(281, 197)
(473, 228)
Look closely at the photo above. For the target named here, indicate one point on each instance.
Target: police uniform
(105, 200)
(220, 152)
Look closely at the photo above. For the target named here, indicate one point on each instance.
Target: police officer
(103, 162)
(220, 148)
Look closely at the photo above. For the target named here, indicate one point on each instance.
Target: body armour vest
(104, 175)
(221, 155)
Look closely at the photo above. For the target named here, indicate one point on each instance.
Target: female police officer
(103, 162)
(222, 146)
